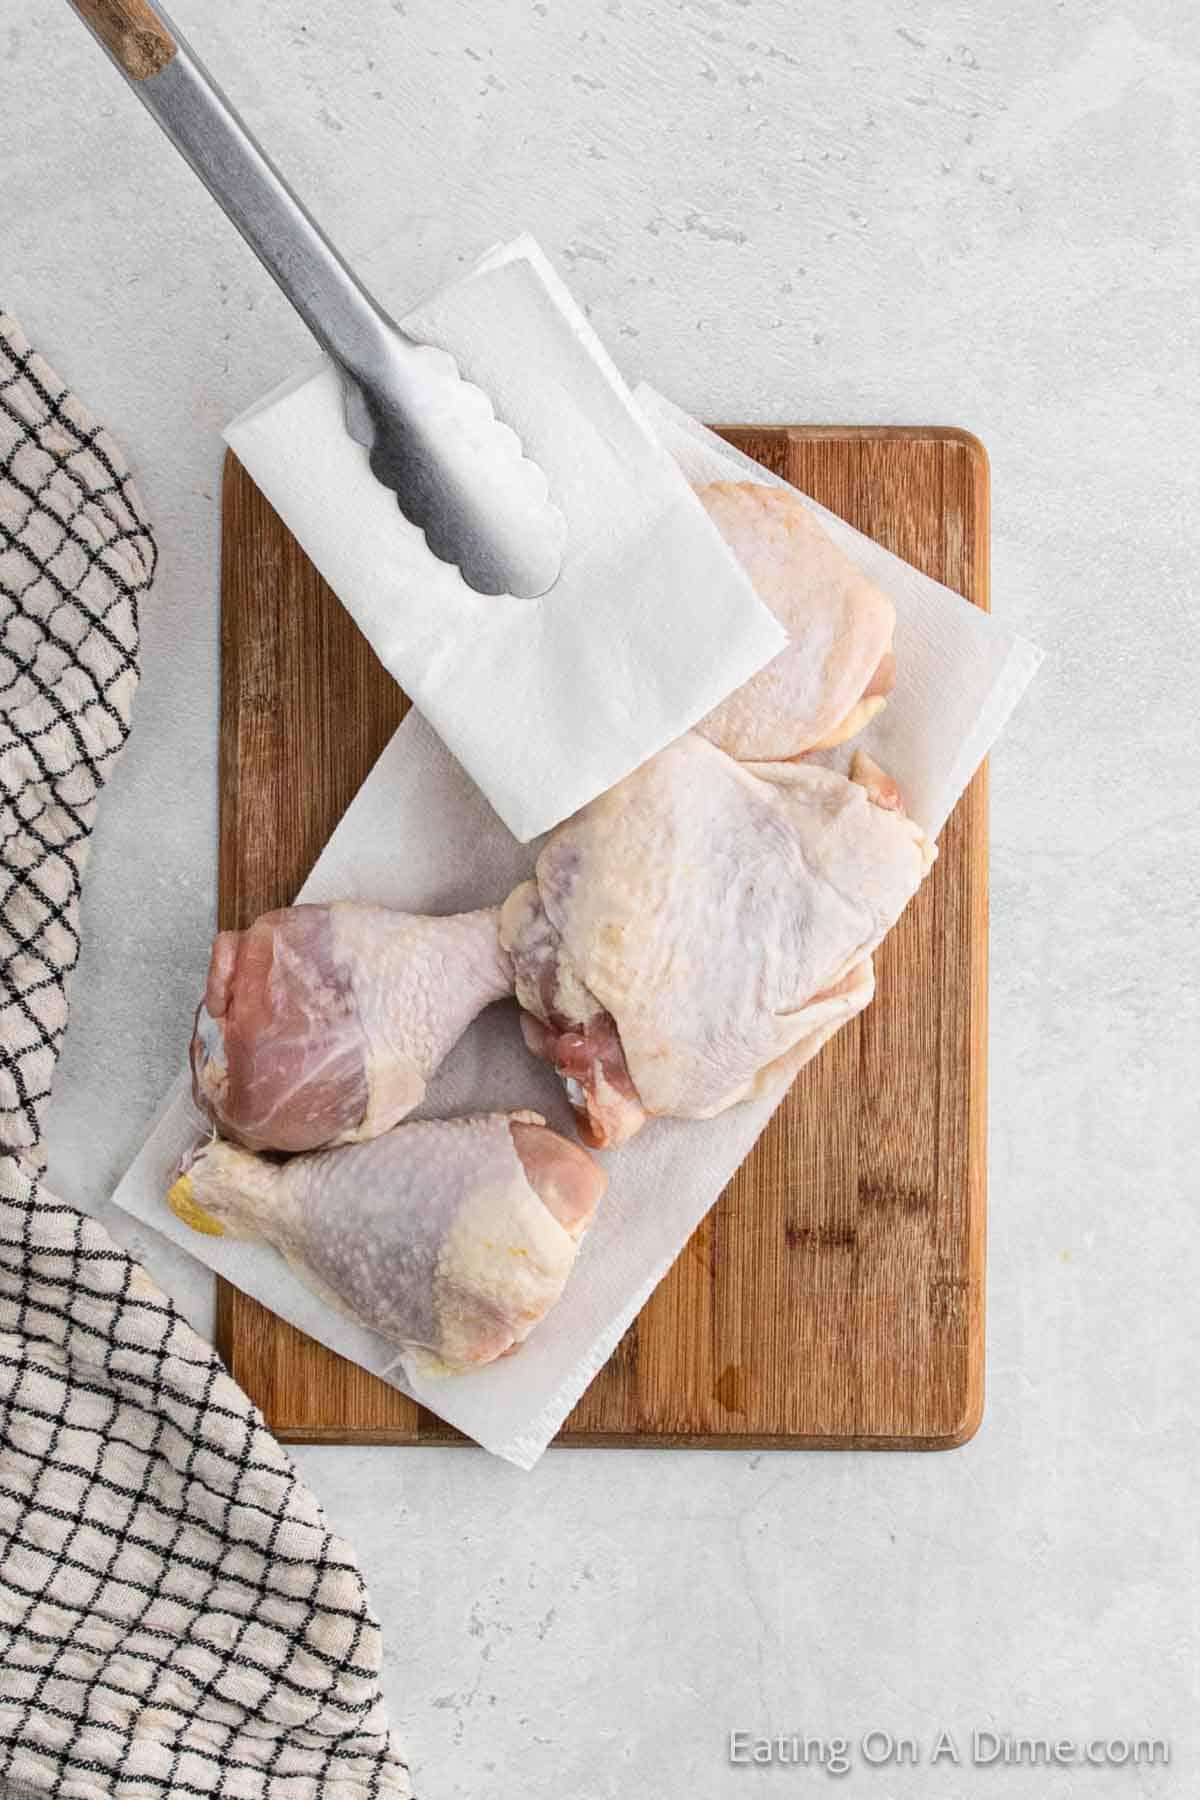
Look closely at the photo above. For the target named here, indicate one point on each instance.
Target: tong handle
(173, 85)
(132, 32)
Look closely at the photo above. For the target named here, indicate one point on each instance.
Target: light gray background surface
(983, 214)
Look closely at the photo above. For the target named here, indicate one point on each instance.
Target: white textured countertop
(954, 212)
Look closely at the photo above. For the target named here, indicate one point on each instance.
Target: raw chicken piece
(701, 930)
(322, 1024)
(453, 1237)
(838, 669)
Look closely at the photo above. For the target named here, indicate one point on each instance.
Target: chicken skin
(838, 669)
(323, 1024)
(451, 1238)
(704, 927)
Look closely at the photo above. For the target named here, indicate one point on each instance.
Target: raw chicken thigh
(838, 670)
(452, 1237)
(704, 927)
(323, 1024)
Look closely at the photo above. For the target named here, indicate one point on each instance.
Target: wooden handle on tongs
(132, 32)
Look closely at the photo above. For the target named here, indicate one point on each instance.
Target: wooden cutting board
(833, 1298)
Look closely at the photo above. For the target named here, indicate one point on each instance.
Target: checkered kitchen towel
(175, 1617)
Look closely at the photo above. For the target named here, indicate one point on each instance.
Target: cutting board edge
(956, 434)
(581, 1440)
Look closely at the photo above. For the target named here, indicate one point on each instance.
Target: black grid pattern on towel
(175, 1616)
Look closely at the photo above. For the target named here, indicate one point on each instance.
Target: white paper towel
(544, 702)
(419, 835)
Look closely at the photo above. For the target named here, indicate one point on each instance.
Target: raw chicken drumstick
(704, 927)
(451, 1236)
(322, 1024)
(838, 670)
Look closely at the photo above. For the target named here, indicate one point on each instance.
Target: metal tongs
(432, 437)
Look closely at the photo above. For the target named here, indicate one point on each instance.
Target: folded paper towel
(547, 702)
(419, 835)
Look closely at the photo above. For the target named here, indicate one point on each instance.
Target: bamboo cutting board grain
(833, 1298)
